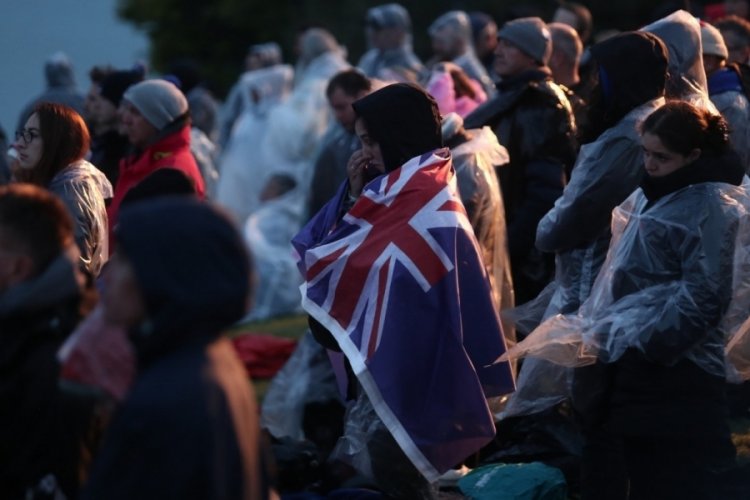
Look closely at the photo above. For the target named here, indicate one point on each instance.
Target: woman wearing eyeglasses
(50, 153)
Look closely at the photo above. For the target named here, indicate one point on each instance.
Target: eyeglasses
(27, 135)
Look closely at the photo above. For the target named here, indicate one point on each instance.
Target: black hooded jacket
(403, 119)
(188, 428)
(533, 119)
(621, 88)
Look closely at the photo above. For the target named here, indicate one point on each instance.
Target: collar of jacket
(724, 80)
(725, 167)
(164, 146)
(524, 78)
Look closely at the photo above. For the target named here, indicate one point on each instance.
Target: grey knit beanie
(531, 36)
(159, 101)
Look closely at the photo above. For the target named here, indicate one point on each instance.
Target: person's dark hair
(162, 182)
(97, 74)
(403, 119)
(616, 89)
(66, 140)
(682, 127)
(351, 81)
(36, 223)
(584, 22)
(735, 24)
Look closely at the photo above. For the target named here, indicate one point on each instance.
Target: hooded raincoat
(667, 298)
(728, 95)
(188, 428)
(681, 33)
(606, 172)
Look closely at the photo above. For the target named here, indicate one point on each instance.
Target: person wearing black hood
(189, 426)
(533, 118)
(110, 145)
(607, 171)
(423, 331)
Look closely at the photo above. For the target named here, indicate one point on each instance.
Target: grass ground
(295, 326)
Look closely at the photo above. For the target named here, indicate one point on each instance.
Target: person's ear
(21, 269)
(693, 155)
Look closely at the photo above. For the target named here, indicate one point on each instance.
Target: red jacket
(172, 151)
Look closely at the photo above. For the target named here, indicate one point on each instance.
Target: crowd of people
(530, 246)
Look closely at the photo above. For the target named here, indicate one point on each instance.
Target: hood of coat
(403, 119)
(725, 167)
(624, 88)
(58, 72)
(681, 33)
(192, 269)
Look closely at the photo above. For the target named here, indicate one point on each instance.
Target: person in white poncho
(51, 149)
(650, 340)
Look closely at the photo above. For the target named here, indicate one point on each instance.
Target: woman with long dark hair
(51, 150)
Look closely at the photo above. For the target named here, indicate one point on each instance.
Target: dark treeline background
(216, 33)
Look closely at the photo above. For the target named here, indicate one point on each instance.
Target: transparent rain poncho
(735, 108)
(475, 162)
(681, 33)
(241, 175)
(83, 188)
(675, 285)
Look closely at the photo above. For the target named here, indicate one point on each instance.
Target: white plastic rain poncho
(83, 188)
(681, 32)
(728, 96)
(577, 228)
(268, 232)
(606, 170)
(296, 128)
(240, 174)
(675, 286)
(475, 161)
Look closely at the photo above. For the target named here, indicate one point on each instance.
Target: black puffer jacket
(533, 119)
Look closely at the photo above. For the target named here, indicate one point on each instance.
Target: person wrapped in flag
(395, 281)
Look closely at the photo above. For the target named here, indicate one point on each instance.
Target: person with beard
(532, 117)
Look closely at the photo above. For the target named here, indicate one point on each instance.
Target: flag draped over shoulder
(399, 282)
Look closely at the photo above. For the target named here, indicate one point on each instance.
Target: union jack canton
(399, 282)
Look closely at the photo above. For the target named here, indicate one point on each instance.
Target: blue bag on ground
(532, 481)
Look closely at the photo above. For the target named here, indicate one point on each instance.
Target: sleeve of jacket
(665, 321)
(603, 177)
(544, 132)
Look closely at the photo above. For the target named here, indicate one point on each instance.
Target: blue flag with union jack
(399, 282)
